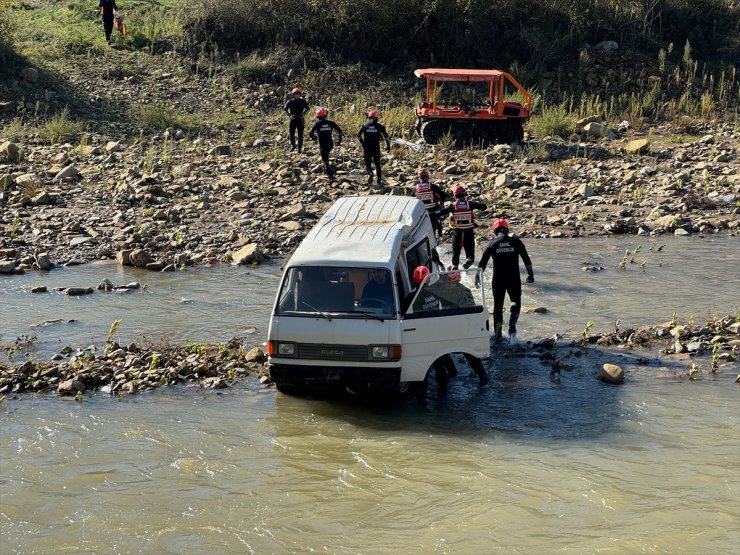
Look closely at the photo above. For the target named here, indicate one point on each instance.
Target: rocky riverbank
(164, 202)
(707, 349)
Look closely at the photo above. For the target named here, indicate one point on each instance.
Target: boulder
(29, 75)
(78, 291)
(7, 266)
(105, 285)
(248, 254)
(611, 373)
(42, 198)
(69, 172)
(255, 355)
(71, 387)
(637, 146)
(27, 179)
(139, 258)
(607, 46)
(9, 152)
(452, 169)
(585, 190)
(39, 289)
(505, 181)
(599, 130)
(220, 150)
(596, 118)
(43, 262)
(6, 180)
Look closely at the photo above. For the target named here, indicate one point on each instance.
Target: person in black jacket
(323, 130)
(369, 136)
(504, 252)
(296, 108)
(462, 223)
(108, 9)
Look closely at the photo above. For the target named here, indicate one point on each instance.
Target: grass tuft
(552, 120)
(60, 128)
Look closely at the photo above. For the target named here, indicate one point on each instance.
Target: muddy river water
(526, 465)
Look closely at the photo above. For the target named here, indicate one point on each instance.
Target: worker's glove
(477, 280)
(530, 278)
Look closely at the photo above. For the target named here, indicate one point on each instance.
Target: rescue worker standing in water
(432, 196)
(369, 136)
(323, 129)
(296, 108)
(504, 252)
(462, 224)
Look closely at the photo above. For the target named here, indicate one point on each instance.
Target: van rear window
(341, 292)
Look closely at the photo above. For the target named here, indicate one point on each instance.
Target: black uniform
(108, 7)
(323, 128)
(296, 108)
(504, 251)
(439, 197)
(462, 238)
(369, 136)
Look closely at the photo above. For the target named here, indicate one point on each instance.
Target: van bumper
(319, 379)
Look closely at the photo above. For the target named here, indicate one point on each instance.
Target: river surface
(526, 465)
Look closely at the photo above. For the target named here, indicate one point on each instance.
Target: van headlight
(385, 352)
(280, 349)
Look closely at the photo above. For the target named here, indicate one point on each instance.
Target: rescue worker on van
(369, 135)
(462, 223)
(295, 109)
(504, 252)
(448, 292)
(433, 197)
(323, 129)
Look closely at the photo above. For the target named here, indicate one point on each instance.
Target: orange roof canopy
(468, 75)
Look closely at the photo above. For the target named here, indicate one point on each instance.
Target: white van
(349, 317)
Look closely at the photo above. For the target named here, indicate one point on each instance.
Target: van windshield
(341, 292)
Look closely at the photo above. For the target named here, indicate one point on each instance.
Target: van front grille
(322, 351)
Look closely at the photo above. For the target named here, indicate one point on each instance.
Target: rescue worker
(448, 292)
(432, 196)
(296, 108)
(462, 224)
(504, 252)
(369, 136)
(323, 129)
(108, 9)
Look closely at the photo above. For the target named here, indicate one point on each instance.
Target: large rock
(139, 258)
(113, 146)
(248, 254)
(599, 130)
(504, 181)
(611, 373)
(105, 285)
(29, 75)
(589, 119)
(7, 266)
(71, 387)
(78, 291)
(42, 198)
(6, 180)
(70, 172)
(9, 152)
(43, 262)
(27, 179)
(255, 355)
(585, 190)
(607, 46)
(220, 150)
(637, 146)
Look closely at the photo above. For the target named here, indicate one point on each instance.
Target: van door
(443, 317)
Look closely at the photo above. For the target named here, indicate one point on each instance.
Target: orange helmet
(296, 90)
(459, 191)
(500, 223)
(421, 273)
(321, 112)
(373, 114)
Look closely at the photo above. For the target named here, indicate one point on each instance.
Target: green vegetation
(59, 129)
(553, 120)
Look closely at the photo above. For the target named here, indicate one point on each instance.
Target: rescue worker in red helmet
(369, 136)
(433, 197)
(296, 108)
(504, 252)
(462, 224)
(323, 129)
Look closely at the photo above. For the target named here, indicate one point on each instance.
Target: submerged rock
(611, 373)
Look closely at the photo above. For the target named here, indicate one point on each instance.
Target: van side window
(418, 255)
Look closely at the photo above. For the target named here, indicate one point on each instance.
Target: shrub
(552, 120)
(59, 128)
(156, 116)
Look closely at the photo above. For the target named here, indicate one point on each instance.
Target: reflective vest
(462, 215)
(426, 195)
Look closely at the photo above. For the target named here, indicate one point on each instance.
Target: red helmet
(373, 114)
(321, 112)
(422, 172)
(454, 276)
(421, 273)
(459, 191)
(500, 223)
(296, 90)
